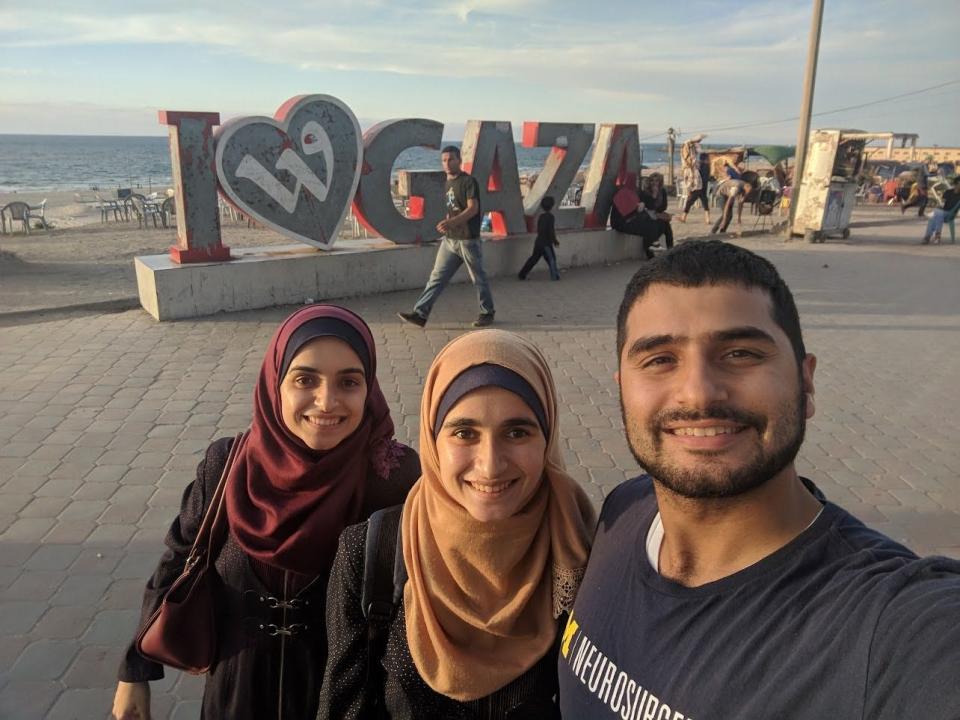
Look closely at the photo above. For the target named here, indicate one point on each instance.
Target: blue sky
(107, 67)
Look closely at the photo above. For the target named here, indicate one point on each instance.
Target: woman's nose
(490, 460)
(325, 398)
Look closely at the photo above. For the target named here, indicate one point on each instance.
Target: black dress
(345, 695)
(271, 632)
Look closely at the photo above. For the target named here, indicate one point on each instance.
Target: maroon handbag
(181, 632)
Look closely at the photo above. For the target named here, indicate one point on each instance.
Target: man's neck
(709, 539)
(455, 175)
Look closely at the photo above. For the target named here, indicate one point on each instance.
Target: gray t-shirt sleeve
(914, 664)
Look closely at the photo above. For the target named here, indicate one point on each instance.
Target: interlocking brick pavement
(103, 419)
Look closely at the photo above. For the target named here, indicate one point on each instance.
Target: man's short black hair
(698, 263)
(452, 149)
(547, 203)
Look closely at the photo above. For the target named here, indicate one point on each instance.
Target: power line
(830, 112)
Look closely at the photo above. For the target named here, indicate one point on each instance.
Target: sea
(71, 162)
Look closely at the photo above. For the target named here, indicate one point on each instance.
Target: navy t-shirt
(840, 623)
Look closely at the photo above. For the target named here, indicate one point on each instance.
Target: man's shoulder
(628, 498)
(463, 178)
(858, 537)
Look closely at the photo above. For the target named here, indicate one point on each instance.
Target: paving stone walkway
(103, 419)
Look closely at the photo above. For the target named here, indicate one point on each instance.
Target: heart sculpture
(296, 172)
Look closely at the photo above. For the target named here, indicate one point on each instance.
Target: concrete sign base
(290, 274)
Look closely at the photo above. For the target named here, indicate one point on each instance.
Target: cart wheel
(845, 234)
(809, 236)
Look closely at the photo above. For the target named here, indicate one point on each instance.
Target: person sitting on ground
(735, 191)
(544, 243)
(627, 215)
(951, 203)
(480, 563)
(655, 202)
(919, 192)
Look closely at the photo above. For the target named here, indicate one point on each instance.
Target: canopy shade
(774, 153)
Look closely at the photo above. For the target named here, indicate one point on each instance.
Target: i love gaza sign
(300, 171)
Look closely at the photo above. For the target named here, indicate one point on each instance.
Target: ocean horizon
(80, 162)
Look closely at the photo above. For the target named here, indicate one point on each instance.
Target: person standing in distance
(459, 245)
(722, 584)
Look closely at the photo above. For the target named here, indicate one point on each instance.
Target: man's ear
(807, 368)
(616, 377)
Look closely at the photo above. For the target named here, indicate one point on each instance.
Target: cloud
(723, 61)
(19, 72)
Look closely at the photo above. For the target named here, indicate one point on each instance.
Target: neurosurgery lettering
(300, 172)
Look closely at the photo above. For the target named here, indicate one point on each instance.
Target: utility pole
(803, 136)
(671, 140)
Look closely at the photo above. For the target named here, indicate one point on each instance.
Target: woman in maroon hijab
(320, 455)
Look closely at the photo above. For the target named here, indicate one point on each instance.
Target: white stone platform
(289, 274)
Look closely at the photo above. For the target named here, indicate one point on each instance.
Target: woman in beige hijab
(493, 541)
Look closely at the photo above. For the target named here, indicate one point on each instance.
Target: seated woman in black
(493, 541)
(655, 201)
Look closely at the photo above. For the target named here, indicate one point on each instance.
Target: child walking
(543, 245)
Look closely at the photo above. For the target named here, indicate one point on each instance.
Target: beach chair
(144, 210)
(38, 212)
(17, 212)
(950, 220)
(682, 193)
(106, 207)
(168, 211)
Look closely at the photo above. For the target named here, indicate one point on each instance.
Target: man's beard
(714, 479)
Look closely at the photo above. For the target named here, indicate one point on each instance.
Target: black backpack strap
(380, 596)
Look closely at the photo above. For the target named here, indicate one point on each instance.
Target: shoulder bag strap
(378, 597)
(204, 543)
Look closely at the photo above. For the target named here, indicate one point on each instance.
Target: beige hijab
(482, 598)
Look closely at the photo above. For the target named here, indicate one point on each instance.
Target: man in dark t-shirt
(460, 244)
(721, 584)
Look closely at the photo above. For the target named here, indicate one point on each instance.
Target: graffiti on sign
(297, 172)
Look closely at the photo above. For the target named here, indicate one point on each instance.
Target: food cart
(828, 190)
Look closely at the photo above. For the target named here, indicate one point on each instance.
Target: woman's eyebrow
(463, 422)
(460, 423)
(522, 422)
(308, 369)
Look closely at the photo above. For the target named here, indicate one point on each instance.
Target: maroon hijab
(287, 504)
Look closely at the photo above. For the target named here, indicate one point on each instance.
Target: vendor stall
(828, 189)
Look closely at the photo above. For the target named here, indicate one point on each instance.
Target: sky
(105, 67)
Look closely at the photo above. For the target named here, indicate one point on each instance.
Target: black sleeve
(384, 493)
(662, 201)
(134, 667)
(472, 190)
(951, 201)
(343, 694)
(914, 664)
(408, 472)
